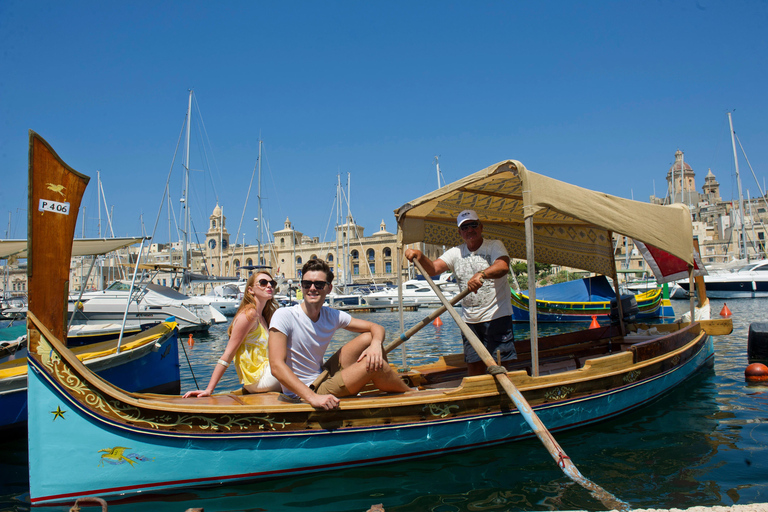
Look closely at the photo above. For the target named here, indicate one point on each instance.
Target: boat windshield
(119, 286)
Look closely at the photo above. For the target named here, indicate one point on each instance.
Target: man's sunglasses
(264, 282)
(319, 285)
(469, 225)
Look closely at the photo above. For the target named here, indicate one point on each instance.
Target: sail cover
(572, 225)
(80, 246)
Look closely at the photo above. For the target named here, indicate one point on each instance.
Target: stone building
(717, 223)
(354, 257)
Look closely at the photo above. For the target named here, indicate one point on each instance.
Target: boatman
(300, 334)
(482, 266)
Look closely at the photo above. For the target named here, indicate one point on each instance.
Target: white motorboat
(416, 292)
(225, 298)
(150, 302)
(747, 281)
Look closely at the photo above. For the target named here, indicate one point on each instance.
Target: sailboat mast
(221, 239)
(349, 222)
(741, 197)
(186, 186)
(342, 277)
(259, 199)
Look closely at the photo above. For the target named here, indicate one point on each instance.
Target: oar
(426, 321)
(557, 453)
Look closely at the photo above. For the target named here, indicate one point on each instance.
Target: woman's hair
(249, 301)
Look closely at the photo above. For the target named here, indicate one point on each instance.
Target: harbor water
(704, 444)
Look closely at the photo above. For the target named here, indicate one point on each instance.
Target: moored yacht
(150, 302)
(747, 281)
(416, 292)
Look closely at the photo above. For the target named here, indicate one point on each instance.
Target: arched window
(329, 258)
(313, 257)
(370, 254)
(282, 242)
(387, 252)
(236, 263)
(298, 260)
(249, 262)
(355, 255)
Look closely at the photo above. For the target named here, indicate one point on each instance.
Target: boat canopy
(572, 226)
(80, 246)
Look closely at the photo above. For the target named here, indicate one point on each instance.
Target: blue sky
(599, 94)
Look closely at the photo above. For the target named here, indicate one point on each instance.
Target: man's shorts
(332, 383)
(498, 334)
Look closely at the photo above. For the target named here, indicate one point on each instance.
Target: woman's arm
(241, 326)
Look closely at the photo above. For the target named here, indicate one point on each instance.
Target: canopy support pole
(130, 295)
(533, 312)
(80, 296)
(691, 295)
(399, 259)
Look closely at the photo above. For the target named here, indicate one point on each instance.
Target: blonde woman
(247, 346)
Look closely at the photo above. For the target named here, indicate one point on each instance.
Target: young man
(299, 335)
(482, 266)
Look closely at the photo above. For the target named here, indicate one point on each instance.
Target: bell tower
(216, 239)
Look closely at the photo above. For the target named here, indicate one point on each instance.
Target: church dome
(679, 163)
(217, 211)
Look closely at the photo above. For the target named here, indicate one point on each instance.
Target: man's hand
(326, 402)
(374, 356)
(412, 254)
(475, 282)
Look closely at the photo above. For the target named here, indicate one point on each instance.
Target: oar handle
(525, 408)
(424, 322)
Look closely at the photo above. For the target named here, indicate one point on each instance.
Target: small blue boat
(582, 299)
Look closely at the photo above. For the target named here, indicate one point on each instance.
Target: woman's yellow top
(251, 357)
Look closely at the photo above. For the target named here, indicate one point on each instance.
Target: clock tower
(216, 240)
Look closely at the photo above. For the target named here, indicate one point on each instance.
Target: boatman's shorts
(498, 334)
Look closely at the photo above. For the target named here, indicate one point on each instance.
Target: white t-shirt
(307, 340)
(493, 299)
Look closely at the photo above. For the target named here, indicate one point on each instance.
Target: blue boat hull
(114, 457)
(150, 370)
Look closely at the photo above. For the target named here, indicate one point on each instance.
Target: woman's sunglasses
(264, 282)
(319, 285)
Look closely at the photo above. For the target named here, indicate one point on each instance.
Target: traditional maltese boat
(582, 300)
(122, 443)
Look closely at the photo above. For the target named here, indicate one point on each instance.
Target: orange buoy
(190, 341)
(756, 372)
(437, 322)
(594, 324)
(725, 312)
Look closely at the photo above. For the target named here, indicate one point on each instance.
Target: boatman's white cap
(465, 216)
